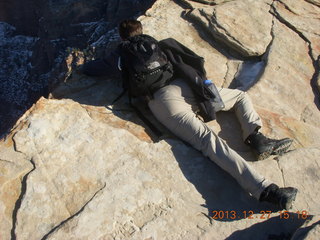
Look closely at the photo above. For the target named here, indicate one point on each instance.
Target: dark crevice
(206, 35)
(226, 75)
(15, 144)
(313, 3)
(72, 216)
(19, 201)
(315, 62)
(205, 2)
(255, 68)
(281, 170)
(184, 4)
(219, 26)
(285, 5)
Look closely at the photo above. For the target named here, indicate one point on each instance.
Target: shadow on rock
(231, 133)
(224, 198)
(102, 92)
(275, 228)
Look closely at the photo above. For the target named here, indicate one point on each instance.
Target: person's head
(129, 28)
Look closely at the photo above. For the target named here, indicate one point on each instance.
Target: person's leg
(239, 102)
(172, 106)
(250, 122)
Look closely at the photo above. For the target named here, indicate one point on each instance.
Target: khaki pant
(175, 106)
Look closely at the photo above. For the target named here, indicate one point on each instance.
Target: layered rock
(242, 25)
(76, 167)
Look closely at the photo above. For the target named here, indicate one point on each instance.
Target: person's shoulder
(169, 39)
(169, 43)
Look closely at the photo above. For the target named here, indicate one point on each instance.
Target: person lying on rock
(173, 80)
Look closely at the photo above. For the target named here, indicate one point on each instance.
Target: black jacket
(187, 65)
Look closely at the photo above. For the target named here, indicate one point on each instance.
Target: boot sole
(282, 148)
(278, 149)
(288, 202)
(264, 155)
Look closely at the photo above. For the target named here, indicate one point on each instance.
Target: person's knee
(242, 96)
(202, 140)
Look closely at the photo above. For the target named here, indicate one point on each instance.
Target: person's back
(145, 66)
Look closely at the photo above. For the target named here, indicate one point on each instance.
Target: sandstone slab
(302, 17)
(242, 25)
(284, 86)
(87, 184)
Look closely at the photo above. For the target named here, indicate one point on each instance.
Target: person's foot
(264, 147)
(281, 197)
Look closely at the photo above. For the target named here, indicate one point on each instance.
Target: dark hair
(129, 28)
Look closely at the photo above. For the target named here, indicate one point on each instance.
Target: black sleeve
(108, 66)
(187, 65)
(188, 56)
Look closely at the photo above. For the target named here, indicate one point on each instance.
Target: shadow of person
(222, 194)
(280, 227)
(101, 92)
(225, 200)
(230, 131)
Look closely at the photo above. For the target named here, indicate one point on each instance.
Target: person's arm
(108, 66)
(187, 55)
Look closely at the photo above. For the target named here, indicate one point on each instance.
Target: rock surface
(242, 25)
(75, 167)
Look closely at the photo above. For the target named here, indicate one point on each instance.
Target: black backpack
(145, 66)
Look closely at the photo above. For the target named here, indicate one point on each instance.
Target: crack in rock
(205, 2)
(15, 144)
(313, 3)
(226, 33)
(226, 75)
(315, 62)
(3, 160)
(264, 57)
(271, 33)
(74, 215)
(282, 173)
(286, 6)
(19, 201)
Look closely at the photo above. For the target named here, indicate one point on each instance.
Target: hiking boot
(264, 147)
(281, 197)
